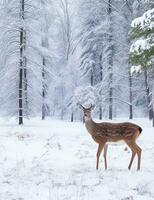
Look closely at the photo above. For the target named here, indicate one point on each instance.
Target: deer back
(118, 129)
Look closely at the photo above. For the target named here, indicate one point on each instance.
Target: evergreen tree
(142, 49)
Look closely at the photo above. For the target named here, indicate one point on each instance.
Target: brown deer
(107, 133)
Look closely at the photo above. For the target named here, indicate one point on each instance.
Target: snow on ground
(55, 160)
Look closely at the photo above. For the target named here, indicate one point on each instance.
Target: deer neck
(90, 125)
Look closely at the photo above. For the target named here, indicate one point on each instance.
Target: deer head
(87, 111)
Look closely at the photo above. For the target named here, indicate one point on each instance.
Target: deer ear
(92, 107)
(80, 106)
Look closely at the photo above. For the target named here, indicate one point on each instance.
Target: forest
(56, 54)
(77, 81)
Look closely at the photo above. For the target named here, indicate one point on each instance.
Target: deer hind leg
(132, 158)
(99, 151)
(133, 154)
(105, 153)
(138, 151)
(135, 150)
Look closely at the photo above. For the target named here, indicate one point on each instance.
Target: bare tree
(67, 45)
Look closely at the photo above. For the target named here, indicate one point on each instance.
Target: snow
(53, 159)
(140, 45)
(86, 95)
(145, 21)
(136, 69)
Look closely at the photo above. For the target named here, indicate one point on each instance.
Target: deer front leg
(99, 151)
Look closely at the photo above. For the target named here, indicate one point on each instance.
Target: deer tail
(140, 129)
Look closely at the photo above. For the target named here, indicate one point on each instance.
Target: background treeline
(55, 53)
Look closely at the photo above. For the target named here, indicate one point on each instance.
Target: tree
(65, 40)
(14, 45)
(45, 53)
(97, 48)
(142, 49)
(86, 96)
(91, 42)
(110, 41)
(21, 45)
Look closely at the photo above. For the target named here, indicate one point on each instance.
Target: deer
(106, 133)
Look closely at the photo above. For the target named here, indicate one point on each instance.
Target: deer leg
(105, 152)
(135, 150)
(133, 155)
(138, 151)
(99, 151)
(132, 158)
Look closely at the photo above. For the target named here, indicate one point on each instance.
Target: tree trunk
(152, 105)
(153, 118)
(130, 97)
(44, 77)
(148, 95)
(25, 75)
(72, 117)
(110, 104)
(100, 112)
(92, 78)
(110, 62)
(21, 80)
(152, 110)
(101, 79)
(101, 68)
(21, 68)
(43, 89)
(62, 109)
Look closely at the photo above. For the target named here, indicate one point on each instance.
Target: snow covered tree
(21, 57)
(13, 44)
(150, 2)
(97, 46)
(104, 55)
(91, 40)
(65, 67)
(50, 48)
(142, 49)
(46, 54)
(110, 59)
(84, 95)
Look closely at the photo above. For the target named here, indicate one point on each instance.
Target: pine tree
(142, 49)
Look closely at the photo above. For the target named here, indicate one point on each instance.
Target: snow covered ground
(55, 160)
